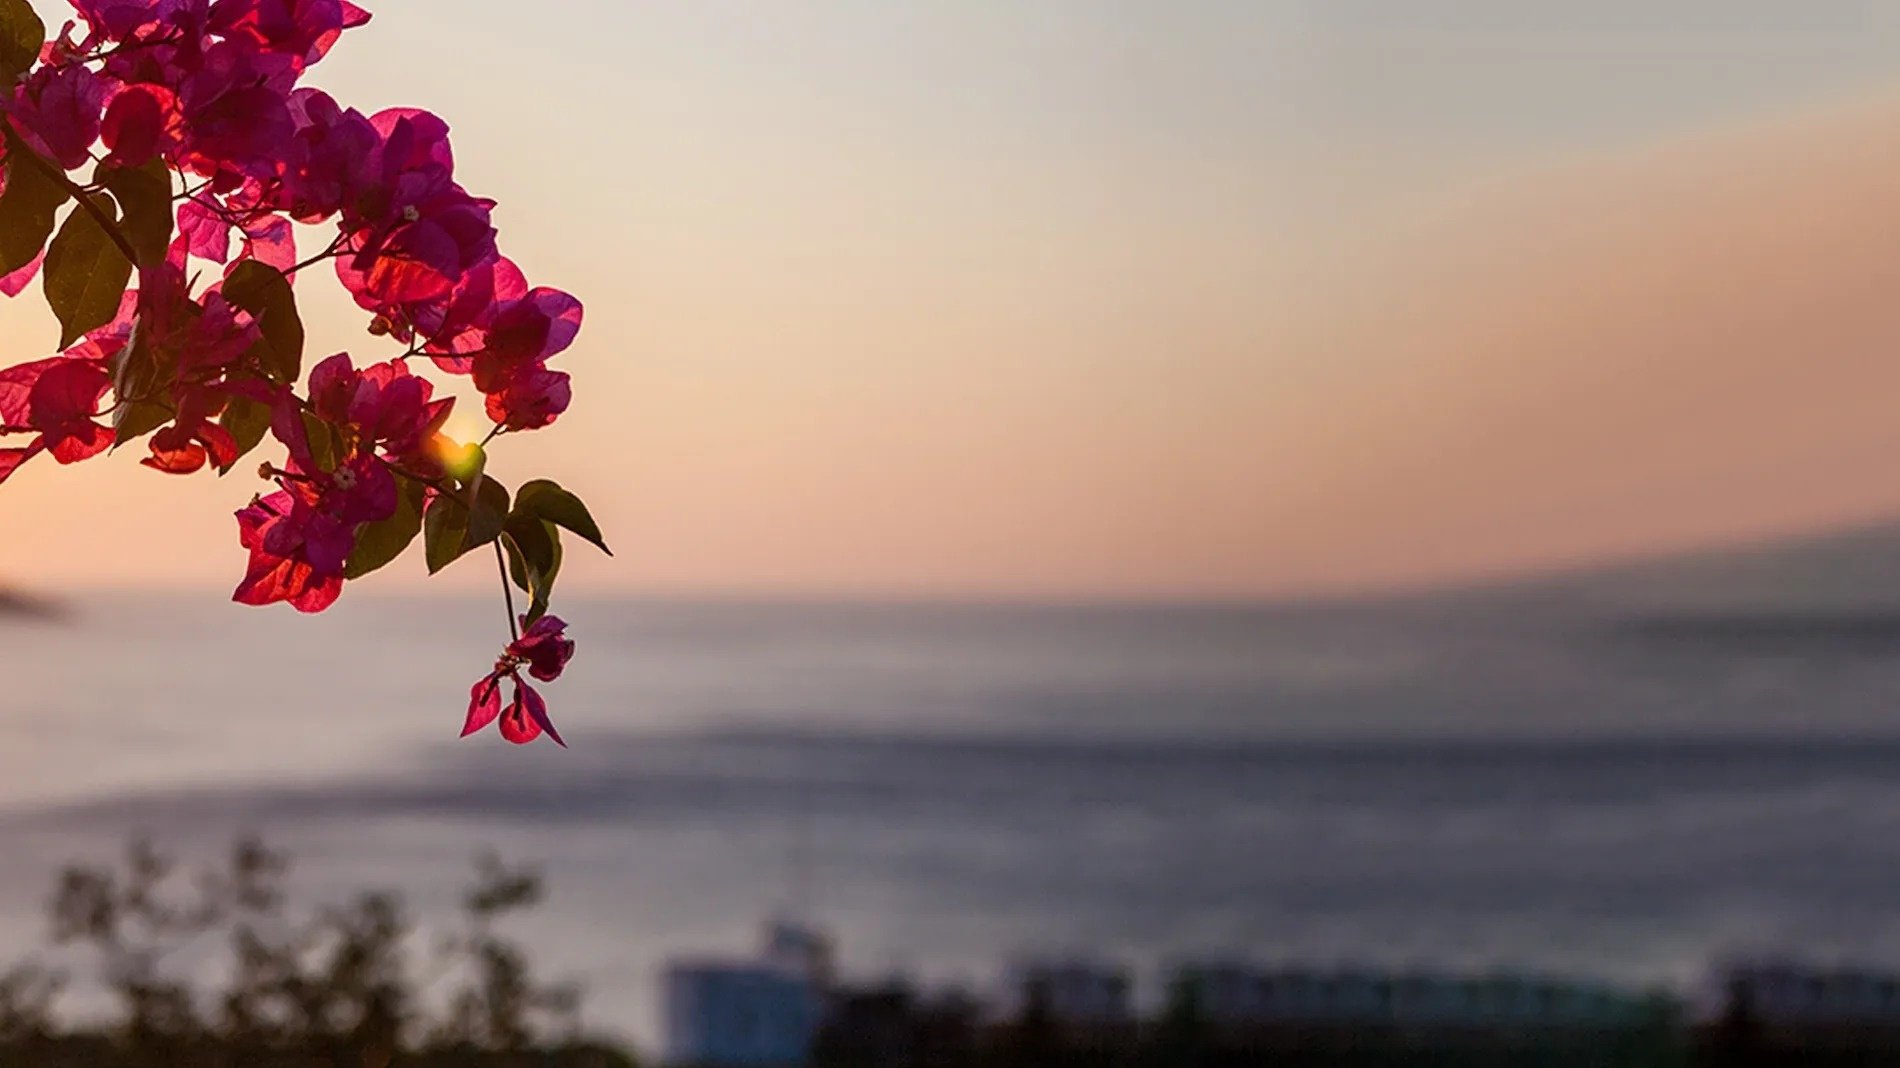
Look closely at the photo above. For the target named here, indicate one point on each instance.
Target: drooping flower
(544, 649)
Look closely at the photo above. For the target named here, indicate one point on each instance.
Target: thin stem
(507, 591)
(335, 247)
(499, 430)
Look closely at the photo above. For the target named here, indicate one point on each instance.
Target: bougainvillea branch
(171, 265)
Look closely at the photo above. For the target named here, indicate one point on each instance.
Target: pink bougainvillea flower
(236, 110)
(59, 399)
(326, 167)
(268, 239)
(484, 703)
(544, 647)
(533, 398)
(206, 91)
(279, 571)
(421, 255)
(454, 326)
(526, 717)
(118, 20)
(185, 449)
(301, 29)
(56, 111)
(218, 338)
(141, 123)
(205, 229)
(523, 720)
(388, 406)
(540, 325)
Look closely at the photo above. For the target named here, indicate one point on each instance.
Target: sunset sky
(1090, 298)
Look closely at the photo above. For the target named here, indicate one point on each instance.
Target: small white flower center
(411, 213)
(345, 479)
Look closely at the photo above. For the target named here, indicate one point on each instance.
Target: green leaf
(547, 500)
(379, 544)
(326, 446)
(139, 376)
(489, 515)
(145, 206)
(263, 291)
(540, 545)
(21, 35)
(452, 528)
(28, 208)
(248, 421)
(136, 419)
(538, 582)
(85, 273)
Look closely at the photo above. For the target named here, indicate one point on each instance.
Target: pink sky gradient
(949, 302)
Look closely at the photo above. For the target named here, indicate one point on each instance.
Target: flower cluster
(173, 278)
(544, 649)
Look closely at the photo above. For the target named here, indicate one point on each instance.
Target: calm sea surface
(947, 787)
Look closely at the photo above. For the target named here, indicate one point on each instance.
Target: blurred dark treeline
(891, 1028)
(340, 984)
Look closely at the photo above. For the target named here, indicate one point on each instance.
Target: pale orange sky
(1086, 300)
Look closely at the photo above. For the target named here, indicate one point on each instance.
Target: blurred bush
(344, 984)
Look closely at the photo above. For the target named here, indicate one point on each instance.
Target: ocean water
(946, 788)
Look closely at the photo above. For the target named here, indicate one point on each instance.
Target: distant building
(1070, 993)
(1237, 995)
(893, 1025)
(760, 1013)
(1787, 994)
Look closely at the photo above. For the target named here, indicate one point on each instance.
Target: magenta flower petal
(484, 704)
(206, 232)
(537, 710)
(521, 723)
(11, 459)
(14, 284)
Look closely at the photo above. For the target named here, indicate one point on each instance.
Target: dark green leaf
(136, 419)
(326, 447)
(451, 528)
(489, 515)
(536, 540)
(141, 377)
(537, 582)
(379, 544)
(85, 273)
(263, 291)
(547, 500)
(248, 421)
(28, 208)
(145, 206)
(534, 555)
(21, 35)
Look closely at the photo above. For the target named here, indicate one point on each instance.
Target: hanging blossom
(155, 155)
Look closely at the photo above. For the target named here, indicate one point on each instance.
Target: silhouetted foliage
(336, 985)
